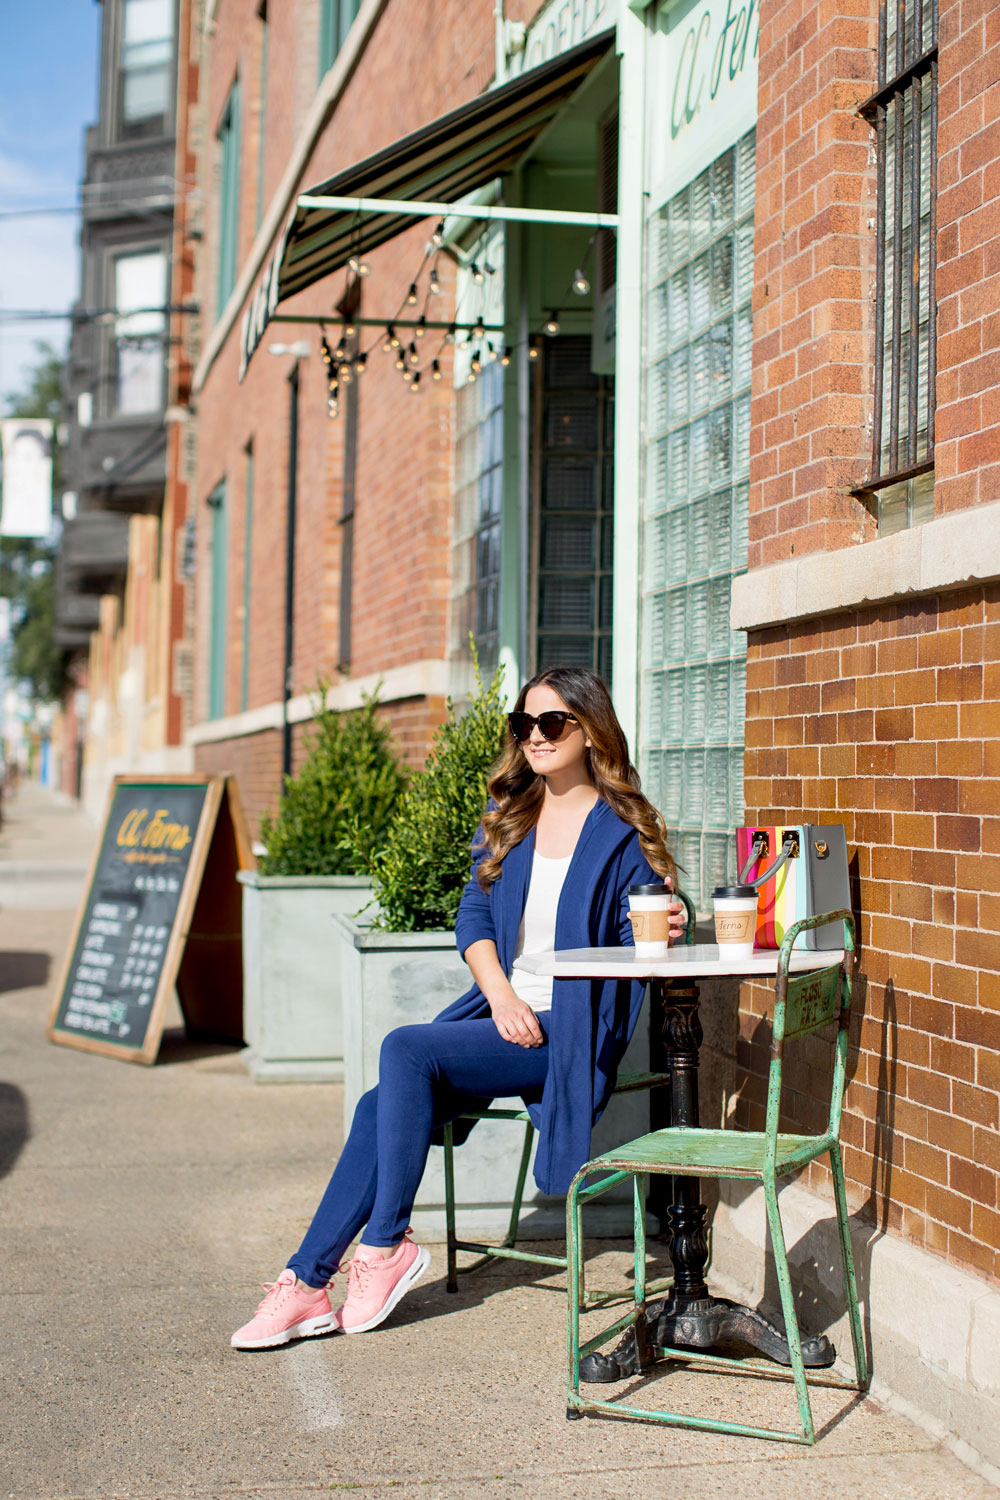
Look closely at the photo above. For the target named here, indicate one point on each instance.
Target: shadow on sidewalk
(177, 1045)
(24, 971)
(14, 1128)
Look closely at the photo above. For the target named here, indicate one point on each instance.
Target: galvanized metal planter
(293, 1018)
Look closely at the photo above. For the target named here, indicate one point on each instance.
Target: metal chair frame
(804, 1003)
(627, 1083)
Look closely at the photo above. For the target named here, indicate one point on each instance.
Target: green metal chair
(804, 1003)
(627, 1083)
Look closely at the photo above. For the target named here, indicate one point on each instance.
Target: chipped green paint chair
(804, 1003)
(628, 1083)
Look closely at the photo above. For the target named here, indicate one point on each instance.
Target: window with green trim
(247, 577)
(336, 18)
(217, 625)
(229, 195)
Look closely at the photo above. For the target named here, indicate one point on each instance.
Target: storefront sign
(560, 25)
(703, 61)
(262, 305)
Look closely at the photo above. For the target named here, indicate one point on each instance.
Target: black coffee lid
(650, 890)
(734, 892)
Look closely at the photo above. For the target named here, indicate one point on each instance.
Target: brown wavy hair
(517, 791)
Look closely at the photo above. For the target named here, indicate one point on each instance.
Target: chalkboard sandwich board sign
(162, 907)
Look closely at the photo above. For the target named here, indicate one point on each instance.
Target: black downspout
(293, 485)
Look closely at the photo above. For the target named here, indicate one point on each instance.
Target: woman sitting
(566, 832)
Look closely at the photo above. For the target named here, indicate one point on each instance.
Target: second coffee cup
(735, 919)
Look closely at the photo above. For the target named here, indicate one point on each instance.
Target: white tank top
(537, 933)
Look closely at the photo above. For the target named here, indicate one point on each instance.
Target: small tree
(420, 869)
(349, 779)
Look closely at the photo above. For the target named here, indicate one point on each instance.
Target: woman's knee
(404, 1048)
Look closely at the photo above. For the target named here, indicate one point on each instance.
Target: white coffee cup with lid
(735, 919)
(649, 912)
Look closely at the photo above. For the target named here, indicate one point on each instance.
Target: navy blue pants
(427, 1075)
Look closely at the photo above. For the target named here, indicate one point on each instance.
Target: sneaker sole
(308, 1329)
(402, 1286)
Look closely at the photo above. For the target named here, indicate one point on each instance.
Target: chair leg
(788, 1308)
(574, 1254)
(847, 1261)
(451, 1283)
(522, 1173)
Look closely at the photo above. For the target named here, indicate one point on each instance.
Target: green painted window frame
(336, 18)
(219, 574)
(247, 577)
(229, 194)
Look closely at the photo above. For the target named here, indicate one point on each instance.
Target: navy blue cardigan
(591, 1020)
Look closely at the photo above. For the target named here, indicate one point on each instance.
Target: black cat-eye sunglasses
(551, 724)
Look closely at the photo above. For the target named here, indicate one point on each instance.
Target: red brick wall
(812, 369)
(967, 455)
(888, 721)
(403, 485)
(814, 272)
(256, 759)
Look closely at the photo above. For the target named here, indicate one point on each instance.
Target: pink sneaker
(375, 1286)
(287, 1312)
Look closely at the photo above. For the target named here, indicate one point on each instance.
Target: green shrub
(350, 778)
(420, 870)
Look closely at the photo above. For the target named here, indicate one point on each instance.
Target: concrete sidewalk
(142, 1207)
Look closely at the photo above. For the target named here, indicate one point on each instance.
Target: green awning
(443, 161)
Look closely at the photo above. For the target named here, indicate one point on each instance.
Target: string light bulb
(552, 323)
(345, 374)
(479, 331)
(349, 330)
(415, 384)
(414, 354)
(504, 355)
(450, 332)
(437, 238)
(475, 363)
(580, 283)
(360, 364)
(358, 266)
(421, 327)
(400, 360)
(532, 351)
(436, 371)
(412, 294)
(477, 274)
(433, 281)
(407, 374)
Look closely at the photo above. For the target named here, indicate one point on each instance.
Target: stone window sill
(951, 552)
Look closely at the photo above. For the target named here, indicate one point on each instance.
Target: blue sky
(48, 95)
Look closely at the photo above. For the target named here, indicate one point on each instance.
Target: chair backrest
(807, 1002)
(688, 906)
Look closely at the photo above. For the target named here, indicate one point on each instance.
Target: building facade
(707, 338)
(115, 613)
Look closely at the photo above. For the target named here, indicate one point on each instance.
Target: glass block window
(693, 680)
(477, 521)
(573, 545)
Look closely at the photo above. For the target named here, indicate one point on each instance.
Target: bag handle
(789, 850)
